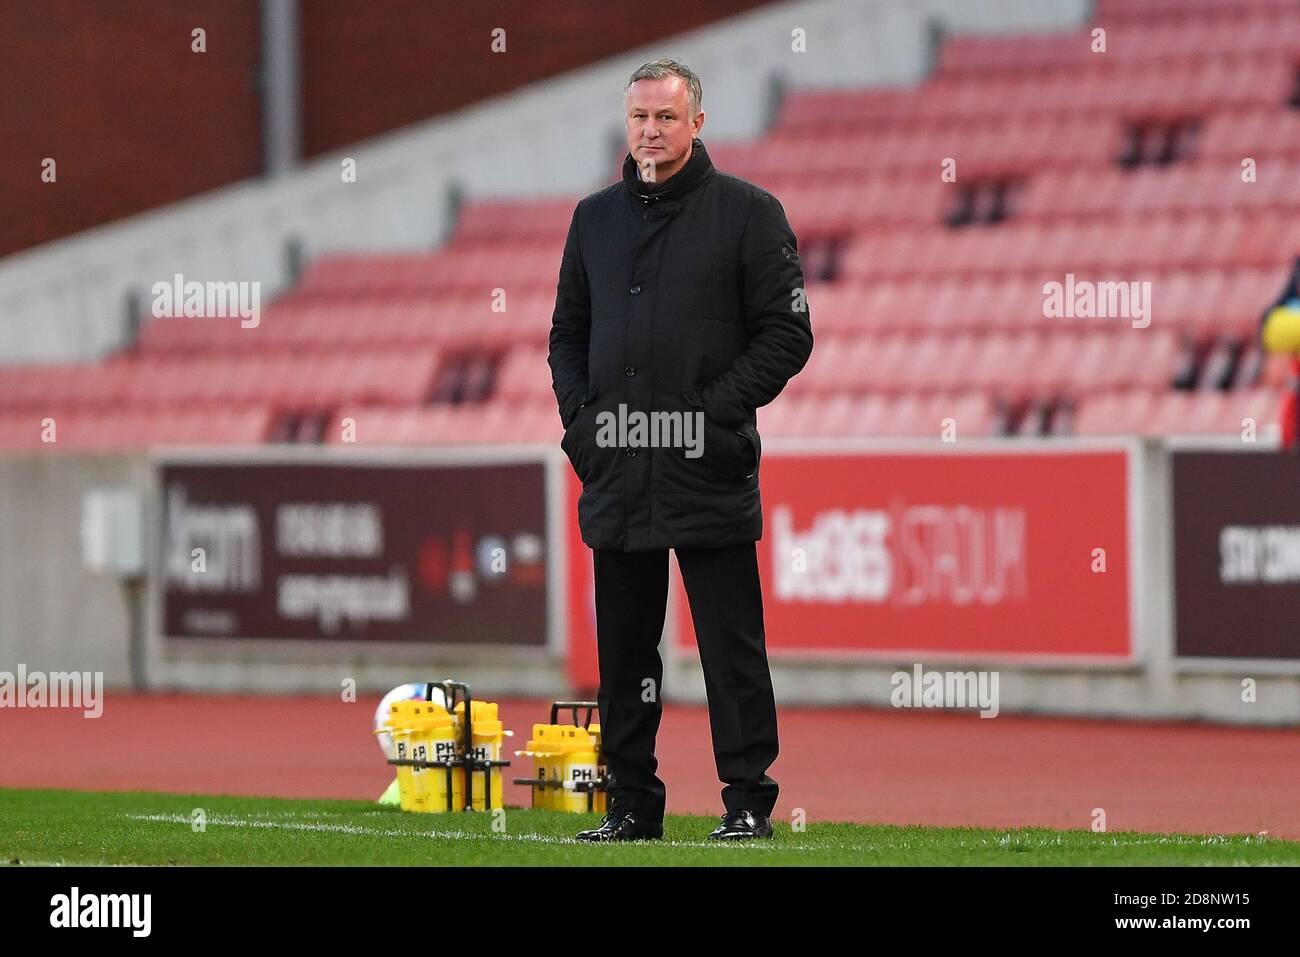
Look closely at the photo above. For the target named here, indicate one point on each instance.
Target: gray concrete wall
(54, 614)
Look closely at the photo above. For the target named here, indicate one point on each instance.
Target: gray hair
(658, 69)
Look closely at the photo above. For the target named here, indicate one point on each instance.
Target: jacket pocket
(578, 435)
(591, 394)
(756, 443)
(725, 453)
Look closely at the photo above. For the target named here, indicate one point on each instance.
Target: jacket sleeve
(776, 318)
(570, 329)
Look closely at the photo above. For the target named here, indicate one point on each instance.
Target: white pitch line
(24, 862)
(393, 832)
(992, 843)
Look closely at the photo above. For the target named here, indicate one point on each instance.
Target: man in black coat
(679, 311)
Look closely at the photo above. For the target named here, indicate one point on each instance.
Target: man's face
(659, 127)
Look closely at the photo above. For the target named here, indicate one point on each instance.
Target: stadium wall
(56, 615)
(69, 299)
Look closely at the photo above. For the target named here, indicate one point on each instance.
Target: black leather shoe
(621, 825)
(738, 825)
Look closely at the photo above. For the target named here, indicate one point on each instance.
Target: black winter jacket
(682, 296)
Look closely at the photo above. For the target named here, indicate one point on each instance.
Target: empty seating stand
(1172, 158)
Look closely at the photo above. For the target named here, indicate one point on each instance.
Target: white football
(412, 691)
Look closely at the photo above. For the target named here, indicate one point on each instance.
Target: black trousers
(726, 602)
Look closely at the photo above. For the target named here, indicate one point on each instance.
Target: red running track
(838, 764)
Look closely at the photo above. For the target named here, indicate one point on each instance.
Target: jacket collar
(697, 169)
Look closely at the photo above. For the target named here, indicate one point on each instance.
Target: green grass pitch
(41, 827)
